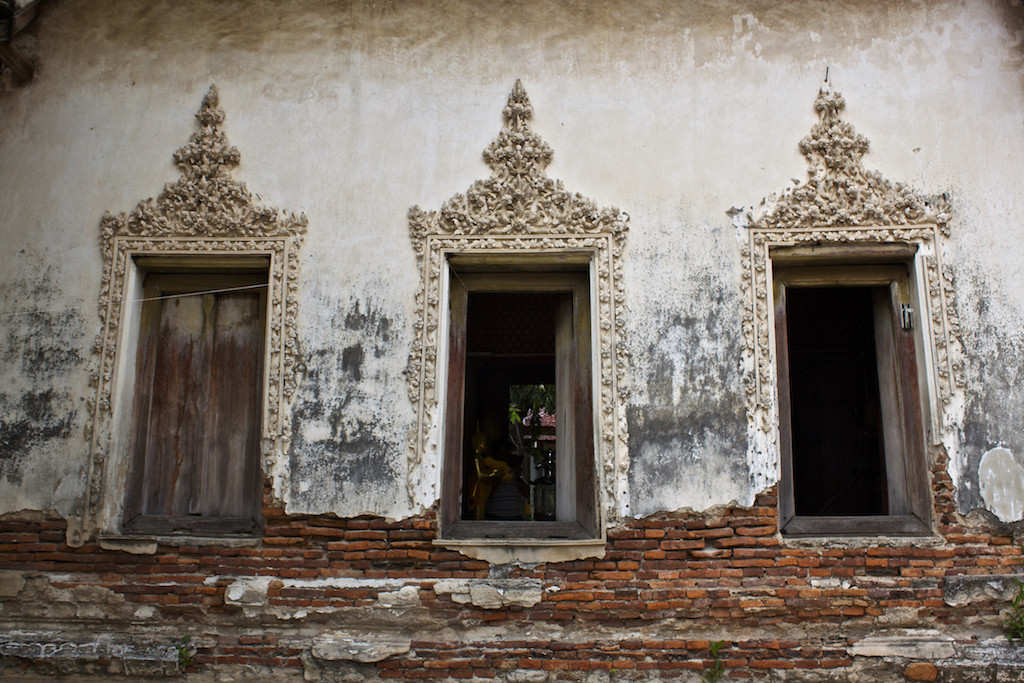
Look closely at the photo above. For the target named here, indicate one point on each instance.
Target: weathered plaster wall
(353, 112)
(41, 410)
(687, 420)
(348, 420)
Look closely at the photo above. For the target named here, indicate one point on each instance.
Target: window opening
(848, 216)
(849, 404)
(838, 449)
(207, 230)
(518, 231)
(511, 405)
(519, 453)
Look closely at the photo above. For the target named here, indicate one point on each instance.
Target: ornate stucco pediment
(204, 213)
(206, 201)
(519, 210)
(841, 202)
(519, 198)
(839, 190)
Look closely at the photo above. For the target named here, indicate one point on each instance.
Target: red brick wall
(686, 578)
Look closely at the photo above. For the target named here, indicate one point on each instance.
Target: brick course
(676, 581)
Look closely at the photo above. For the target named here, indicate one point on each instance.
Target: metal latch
(907, 316)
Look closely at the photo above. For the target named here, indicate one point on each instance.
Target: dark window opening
(518, 430)
(195, 432)
(838, 445)
(510, 441)
(850, 415)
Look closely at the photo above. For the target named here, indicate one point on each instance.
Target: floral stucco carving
(839, 190)
(520, 210)
(205, 212)
(843, 203)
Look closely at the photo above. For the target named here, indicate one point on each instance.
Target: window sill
(856, 527)
(501, 530)
(146, 544)
(525, 549)
(164, 525)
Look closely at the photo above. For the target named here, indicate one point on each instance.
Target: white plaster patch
(145, 612)
(1002, 484)
(248, 592)
(743, 22)
(313, 431)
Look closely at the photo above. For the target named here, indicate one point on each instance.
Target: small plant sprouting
(717, 666)
(1014, 621)
(186, 652)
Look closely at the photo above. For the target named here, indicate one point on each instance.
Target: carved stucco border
(842, 203)
(519, 210)
(204, 213)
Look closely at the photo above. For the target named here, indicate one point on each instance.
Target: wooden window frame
(909, 499)
(174, 275)
(577, 503)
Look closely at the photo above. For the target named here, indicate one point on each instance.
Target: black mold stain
(41, 348)
(373, 325)
(357, 451)
(28, 421)
(42, 344)
(352, 361)
(338, 391)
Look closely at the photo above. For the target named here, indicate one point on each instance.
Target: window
(550, 257)
(850, 415)
(194, 437)
(519, 425)
(227, 360)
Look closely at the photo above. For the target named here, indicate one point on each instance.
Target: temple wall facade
(363, 159)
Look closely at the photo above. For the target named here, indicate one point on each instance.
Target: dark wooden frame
(573, 363)
(170, 275)
(903, 425)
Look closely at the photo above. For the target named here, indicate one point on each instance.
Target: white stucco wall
(353, 112)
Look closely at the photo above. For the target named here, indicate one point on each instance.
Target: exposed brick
(921, 671)
(722, 573)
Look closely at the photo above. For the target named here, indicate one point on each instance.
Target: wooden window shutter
(196, 421)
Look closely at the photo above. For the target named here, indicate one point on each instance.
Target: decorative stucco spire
(839, 190)
(206, 200)
(833, 144)
(518, 150)
(518, 197)
(208, 152)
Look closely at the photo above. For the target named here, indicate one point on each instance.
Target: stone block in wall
(964, 589)
(1000, 653)
(491, 593)
(89, 653)
(249, 593)
(350, 646)
(11, 583)
(921, 644)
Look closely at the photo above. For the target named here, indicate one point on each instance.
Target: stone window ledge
(147, 545)
(923, 540)
(528, 550)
